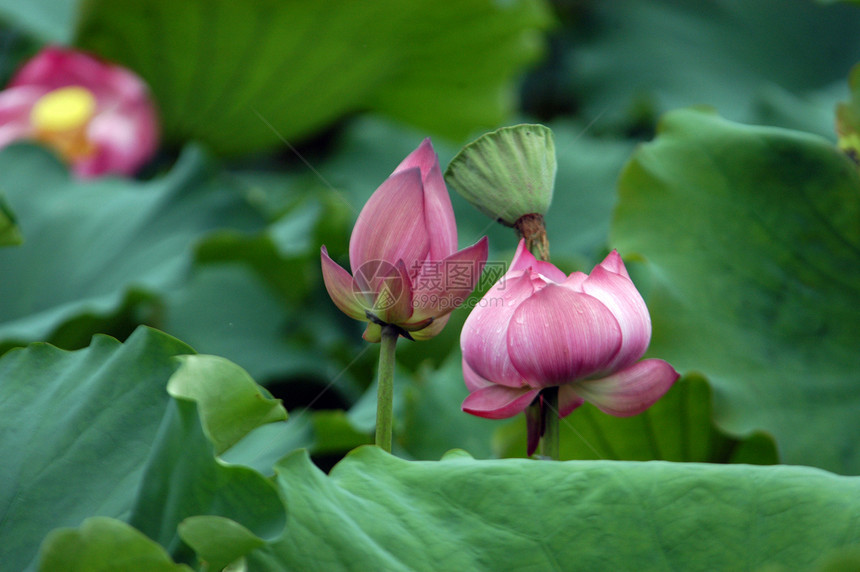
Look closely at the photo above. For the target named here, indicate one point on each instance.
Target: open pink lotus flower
(407, 271)
(99, 117)
(538, 328)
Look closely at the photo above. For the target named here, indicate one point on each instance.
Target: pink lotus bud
(98, 117)
(406, 270)
(538, 328)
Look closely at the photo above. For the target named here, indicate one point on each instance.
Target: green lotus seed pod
(507, 173)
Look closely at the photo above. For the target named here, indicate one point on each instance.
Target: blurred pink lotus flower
(99, 117)
(537, 328)
(407, 271)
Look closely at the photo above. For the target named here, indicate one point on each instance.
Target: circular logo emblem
(378, 285)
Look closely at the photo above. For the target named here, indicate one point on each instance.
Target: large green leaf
(77, 428)
(182, 479)
(377, 512)
(752, 240)
(241, 76)
(94, 432)
(95, 248)
(624, 63)
(216, 404)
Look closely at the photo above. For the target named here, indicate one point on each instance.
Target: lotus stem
(385, 390)
(549, 441)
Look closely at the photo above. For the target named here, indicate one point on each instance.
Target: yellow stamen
(63, 109)
(60, 119)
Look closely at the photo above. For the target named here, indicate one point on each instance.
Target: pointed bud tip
(615, 264)
(423, 157)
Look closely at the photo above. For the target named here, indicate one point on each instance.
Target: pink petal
(613, 263)
(15, 106)
(424, 157)
(16, 102)
(575, 281)
(483, 339)
(498, 402)
(441, 286)
(439, 214)
(124, 84)
(474, 382)
(523, 260)
(391, 226)
(14, 131)
(568, 400)
(630, 391)
(341, 288)
(55, 67)
(619, 294)
(125, 138)
(557, 336)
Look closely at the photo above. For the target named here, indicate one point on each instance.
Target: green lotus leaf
(103, 543)
(243, 76)
(377, 512)
(750, 240)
